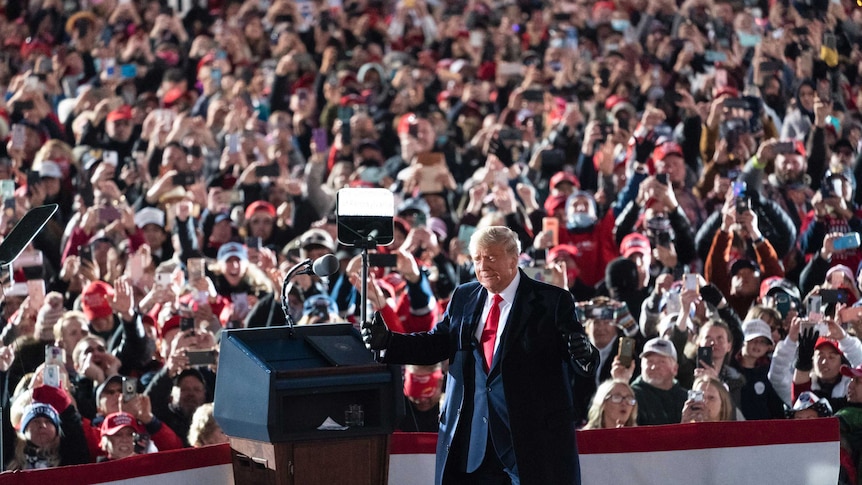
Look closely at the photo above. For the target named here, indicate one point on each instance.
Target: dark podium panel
(274, 390)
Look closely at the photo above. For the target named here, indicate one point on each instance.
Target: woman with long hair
(613, 406)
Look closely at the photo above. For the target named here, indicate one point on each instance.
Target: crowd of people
(686, 169)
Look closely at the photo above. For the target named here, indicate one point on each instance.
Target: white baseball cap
(659, 346)
(752, 329)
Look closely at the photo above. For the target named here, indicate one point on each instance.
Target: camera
(731, 130)
(695, 395)
(320, 310)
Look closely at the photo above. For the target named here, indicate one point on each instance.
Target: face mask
(581, 220)
(748, 40)
(620, 25)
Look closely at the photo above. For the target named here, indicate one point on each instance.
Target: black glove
(375, 333)
(805, 351)
(581, 350)
(711, 294)
(498, 148)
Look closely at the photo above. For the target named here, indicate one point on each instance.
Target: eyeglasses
(617, 399)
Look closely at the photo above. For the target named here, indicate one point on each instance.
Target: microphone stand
(296, 269)
(370, 242)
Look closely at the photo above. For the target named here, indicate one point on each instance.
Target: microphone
(326, 265)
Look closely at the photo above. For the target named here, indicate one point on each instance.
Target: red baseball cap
(421, 386)
(114, 422)
(122, 113)
(635, 243)
(665, 149)
(564, 177)
(173, 95)
(259, 206)
(96, 300)
(568, 249)
(828, 341)
(554, 202)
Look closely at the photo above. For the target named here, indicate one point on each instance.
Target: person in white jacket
(782, 369)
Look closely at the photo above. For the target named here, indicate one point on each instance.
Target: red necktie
(489, 333)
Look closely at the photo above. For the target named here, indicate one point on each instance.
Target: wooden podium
(275, 389)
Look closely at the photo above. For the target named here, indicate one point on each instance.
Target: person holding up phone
(708, 401)
(111, 398)
(715, 341)
(50, 432)
(798, 122)
(788, 186)
(834, 212)
(739, 281)
(179, 388)
(605, 321)
(585, 233)
(261, 223)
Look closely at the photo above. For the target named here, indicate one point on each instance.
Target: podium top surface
(307, 347)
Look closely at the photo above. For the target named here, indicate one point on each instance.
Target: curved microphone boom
(324, 266)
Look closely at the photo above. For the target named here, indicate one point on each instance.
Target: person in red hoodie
(586, 227)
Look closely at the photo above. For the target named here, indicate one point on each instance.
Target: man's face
(109, 398)
(120, 445)
(827, 363)
(495, 269)
(119, 130)
(601, 331)
(674, 166)
(658, 370)
(189, 394)
(790, 167)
